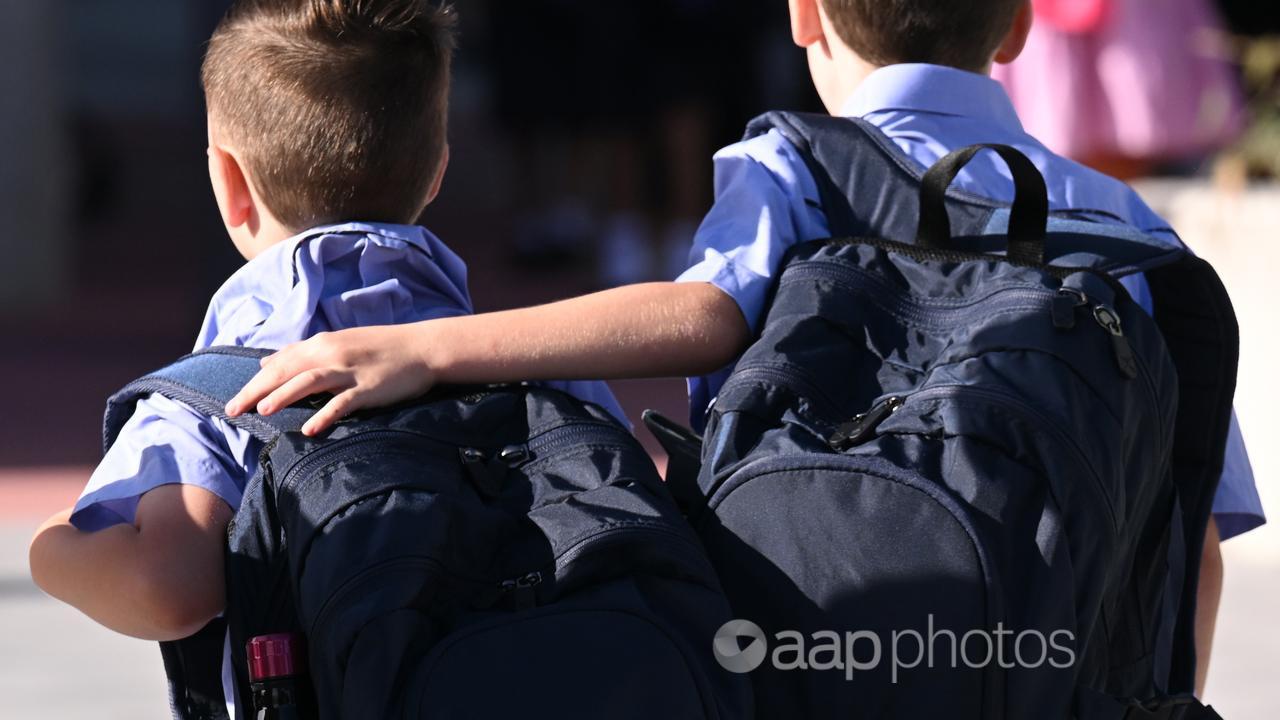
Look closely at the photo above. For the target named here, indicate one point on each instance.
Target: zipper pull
(487, 474)
(861, 428)
(1109, 320)
(514, 455)
(523, 590)
(1065, 305)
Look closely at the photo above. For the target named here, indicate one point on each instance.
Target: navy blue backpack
(961, 473)
(504, 552)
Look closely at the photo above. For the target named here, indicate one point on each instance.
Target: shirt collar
(933, 89)
(336, 276)
(410, 234)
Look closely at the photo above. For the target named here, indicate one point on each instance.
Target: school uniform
(767, 201)
(326, 279)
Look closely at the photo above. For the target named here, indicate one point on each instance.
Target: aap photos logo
(740, 646)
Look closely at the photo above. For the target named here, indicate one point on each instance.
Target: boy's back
(766, 193)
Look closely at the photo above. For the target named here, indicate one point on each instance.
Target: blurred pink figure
(1124, 84)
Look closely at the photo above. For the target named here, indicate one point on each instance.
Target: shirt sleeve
(765, 201)
(165, 442)
(1237, 506)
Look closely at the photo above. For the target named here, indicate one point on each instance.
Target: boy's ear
(806, 22)
(1014, 42)
(231, 188)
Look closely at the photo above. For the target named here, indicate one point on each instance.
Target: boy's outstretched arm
(160, 578)
(649, 330)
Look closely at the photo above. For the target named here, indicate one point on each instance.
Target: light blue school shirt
(767, 201)
(329, 278)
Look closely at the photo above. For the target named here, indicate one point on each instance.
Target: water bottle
(278, 677)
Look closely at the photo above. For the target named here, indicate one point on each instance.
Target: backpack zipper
(929, 312)
(524, 587)
(1019, 406)
(918, 253)
(545, 441)
(1109, 320)
(862, 427)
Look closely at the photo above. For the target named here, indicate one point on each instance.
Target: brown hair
(338, 107)
(958, 33)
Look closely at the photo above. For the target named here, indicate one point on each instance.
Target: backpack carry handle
(1028, 220)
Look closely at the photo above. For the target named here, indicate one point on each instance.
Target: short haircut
(337, 107)
(959, 33)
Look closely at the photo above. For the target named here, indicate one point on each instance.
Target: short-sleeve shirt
(766, 201)
(326, 279)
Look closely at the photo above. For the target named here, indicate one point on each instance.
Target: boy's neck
(258, 235)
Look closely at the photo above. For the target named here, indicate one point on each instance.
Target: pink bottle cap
(276, 656)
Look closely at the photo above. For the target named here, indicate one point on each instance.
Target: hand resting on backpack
(649, 330)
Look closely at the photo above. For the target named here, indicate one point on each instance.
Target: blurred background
(582, 137)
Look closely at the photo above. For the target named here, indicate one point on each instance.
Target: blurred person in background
(1128, 87)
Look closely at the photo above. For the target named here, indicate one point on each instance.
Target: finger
(267, 359)
(267, 379)
(300, 386)
(339, 407)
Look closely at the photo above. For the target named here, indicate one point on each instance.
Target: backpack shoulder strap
(1196, 318)
(805, 131)
(206, 380)
(867, 186)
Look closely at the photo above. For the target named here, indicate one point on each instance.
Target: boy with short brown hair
(327, 123)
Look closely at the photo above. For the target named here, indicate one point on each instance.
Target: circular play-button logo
(740, 646)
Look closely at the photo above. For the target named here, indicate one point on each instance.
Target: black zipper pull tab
(523, 590)
(861, 428)
(1065, 305)
(1109, 320)
(488, 475)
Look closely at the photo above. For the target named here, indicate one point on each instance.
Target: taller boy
(917, 70)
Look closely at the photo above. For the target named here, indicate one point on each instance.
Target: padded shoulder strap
(1199, 326)
(205, 380)
(867, 186)
(803, 131)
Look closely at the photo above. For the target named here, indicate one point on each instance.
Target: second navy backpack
(961, 473)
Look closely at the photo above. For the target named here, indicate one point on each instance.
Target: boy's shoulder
(778, 148)
(771, 151)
